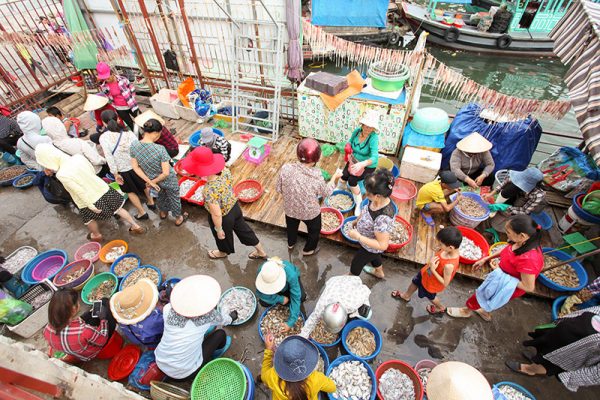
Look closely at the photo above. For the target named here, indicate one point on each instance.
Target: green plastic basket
(222, 379)
(95, 281)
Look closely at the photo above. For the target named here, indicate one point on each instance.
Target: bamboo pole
(579, 257)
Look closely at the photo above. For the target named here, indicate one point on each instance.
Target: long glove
(499, 207)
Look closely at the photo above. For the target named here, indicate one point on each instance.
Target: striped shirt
(533, 200)
(78, 339)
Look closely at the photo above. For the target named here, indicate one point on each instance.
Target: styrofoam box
(36, 320)
(187, 113)
(164, 102)
(420, 165)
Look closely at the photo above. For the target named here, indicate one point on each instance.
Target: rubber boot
(357, 203)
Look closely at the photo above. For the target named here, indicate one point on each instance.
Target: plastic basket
(86, 248)
(404, 368)
(166, 391)
(108, 246)
(403, 190)
(478, 239)
(348, 221)
(200, 183)
(499, 177)
(95, 281)
(187, 178)
(557, 305)
(248, 184)
(112, 347)
(326, 345)
(16, 172)
(47, 270)
(85, 265)
(38, 319)
(16, 184)
(346, 193)
(254, 303)
(340, 219)
(222, 379)
(458, 218)
(343, 359)
(195, 137)
(543, 219)
(147, 266)
(576, 265)
(516, 386)
(249, 383)
(124, 256)
(179, 169)
(17, 268)
(323, 355)
(394, 247)
(359, 323)
(263, 316)
(496, 245)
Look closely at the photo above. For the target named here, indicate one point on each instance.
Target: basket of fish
(24, 181)
(125, 264)
(273, 318)
(100, 286)
(112, 250)
(323, 363)
(340, 200)
(347, 227)
(322, 337)
(361, 339)
(145, 271)
(240, 299)
(401, 234)
(398, 380)
(512, 391)
(9, 174)
(74, 275)
(248, 191)
(497, 247)
(570, 277)
(473, 246)
(424, 368)
(331, 220)
(185, 186)
(196, 193)
(39, 297)
(470, 211)
(354, 379)
(16, 260)
(88, 251)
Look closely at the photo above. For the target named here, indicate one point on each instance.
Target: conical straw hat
(94, 102)
(474, 143)
(457, 381)
(147, 115)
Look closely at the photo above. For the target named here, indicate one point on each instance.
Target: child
(435, 276)
(71, 124)
(431, 198)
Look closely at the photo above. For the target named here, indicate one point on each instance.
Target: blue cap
(295, 359)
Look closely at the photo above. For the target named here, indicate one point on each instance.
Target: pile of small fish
(185, 187)
(198, 194)
(141, 273)
(347, 228)
(399, 233)
(340, 201)
(330, 221)
(424, 375)
(273, 320)
(361, 342)
(248, 194)
(90, 255)
(321, 364)
(396, 385)
(102, 290)
(470, 207)
(42, 299)
(12, 172)
(73, 275)
(126, 265)
(352, 381)
(114, 253)
(18, 260)
(512, 394)
(564, 276)
(322, 335)
(469, 250)
(26, 180)
(240, 300)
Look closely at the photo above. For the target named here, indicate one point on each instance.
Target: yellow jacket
(315, 383)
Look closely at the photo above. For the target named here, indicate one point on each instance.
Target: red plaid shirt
(167, 140)
(78, 339)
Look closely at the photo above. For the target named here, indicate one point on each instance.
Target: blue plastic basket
(25, 186)
(140, 267)
(366, 201)
(324, 355)
(341, 192)
(254, 304)
(343, 359)
(458, 218)
(576, 265)
(543, 220)
(249, 383)
(516, 386)
(265, 313)
(30, 266)
(112, 267)
(556, 306)
(194, 139)
(365, 324)
(347, 221)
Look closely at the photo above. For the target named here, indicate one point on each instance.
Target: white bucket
(569, 222)
(500, 176)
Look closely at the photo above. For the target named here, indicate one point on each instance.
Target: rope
(572, 245)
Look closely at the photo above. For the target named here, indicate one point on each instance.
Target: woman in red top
(522, 259)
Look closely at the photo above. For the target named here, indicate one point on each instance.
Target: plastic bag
(146, 371)
(591, 202)
(14, 311)
(327, 149)
(186, 87)
(567, 167)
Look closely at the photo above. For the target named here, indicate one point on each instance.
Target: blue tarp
(371, 13)
(514, 142)
(366, 96)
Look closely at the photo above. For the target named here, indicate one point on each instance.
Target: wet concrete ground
(410, 334)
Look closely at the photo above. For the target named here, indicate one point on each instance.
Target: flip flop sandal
(97, 239)
(433, 310)
(371, 271)
(142, 217)
(185, 217)
(516, 367)
(312, 253)
(254, 256)
(428, 220)
(212, 256)
(483, 316)
(137, 231)
(528, 355)
(151, 206)
(163, 216)
(455, 312)
(396, 294)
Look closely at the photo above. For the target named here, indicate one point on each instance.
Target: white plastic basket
(37, 319)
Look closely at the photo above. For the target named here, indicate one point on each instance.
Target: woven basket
(165, 391)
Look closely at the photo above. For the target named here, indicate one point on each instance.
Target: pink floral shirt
(301, 187)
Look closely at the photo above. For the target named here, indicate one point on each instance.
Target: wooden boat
(527, 34)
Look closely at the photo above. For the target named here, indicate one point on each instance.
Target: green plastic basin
(430, 121)
(388, 83)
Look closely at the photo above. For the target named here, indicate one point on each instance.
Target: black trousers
(93, 321)
(9, 144)
(287, 294)
(313, 227)
(363, 257)
(127, 116)
(488, 181)
(211, 343)
(353, 180)
(233, 222)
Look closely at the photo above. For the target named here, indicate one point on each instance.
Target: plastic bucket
(323, 354)
(345, 193)
(405, 369)
(585, 217)
(348, 220)
(343, 359)
(112, 347)
(478, 239)
(403, 190)
(359, 323)
(543, 220)
(384, 162)
(557, 305)
(249, 383)
(457, 217)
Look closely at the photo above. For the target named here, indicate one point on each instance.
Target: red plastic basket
(180, 171)
(188, 197)
(478, 239)
(186, 178)
(404, 368)
(248, 184)
(393, 247)
(112, 347)
(340, 218)
(404, 190)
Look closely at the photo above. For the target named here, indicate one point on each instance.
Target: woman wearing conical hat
(472, 161)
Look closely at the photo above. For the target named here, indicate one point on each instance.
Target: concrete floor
(410, 334)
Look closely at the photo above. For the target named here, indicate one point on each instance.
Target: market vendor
(521, 259)
(217, 143)
(97, 103)
(364, 143)
(134, 308)
(166, 138)
(278, 282)
(453, 380)
(186, 346)
(472, 161)
(82, 336)
(31, 126)
(347, 290)
(570, 351)
(431, 198)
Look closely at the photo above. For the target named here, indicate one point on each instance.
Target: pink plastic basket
(47, 267)
(340, 218)
(86, 248)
